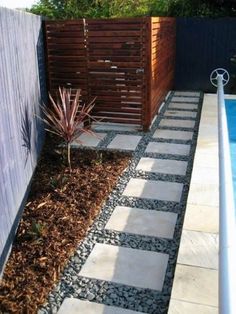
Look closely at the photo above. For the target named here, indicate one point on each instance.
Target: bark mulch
(60, 209)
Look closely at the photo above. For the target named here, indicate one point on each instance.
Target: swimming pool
(231, 119)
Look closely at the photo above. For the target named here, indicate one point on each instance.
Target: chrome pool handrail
(227, 218)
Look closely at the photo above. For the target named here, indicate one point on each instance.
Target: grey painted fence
(22, 88)
(203, 44)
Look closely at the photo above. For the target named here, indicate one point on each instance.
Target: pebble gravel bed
(110, 293)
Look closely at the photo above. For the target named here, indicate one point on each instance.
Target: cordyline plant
(68, 118)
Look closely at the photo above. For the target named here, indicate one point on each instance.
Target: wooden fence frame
(127, 63)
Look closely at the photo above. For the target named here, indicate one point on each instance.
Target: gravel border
(109, 293)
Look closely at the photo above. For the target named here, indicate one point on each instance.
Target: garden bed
(60, 209)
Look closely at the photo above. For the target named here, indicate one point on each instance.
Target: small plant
(68, 118)
(99, 158)
(36, 230)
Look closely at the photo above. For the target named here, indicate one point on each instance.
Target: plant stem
(68, 156)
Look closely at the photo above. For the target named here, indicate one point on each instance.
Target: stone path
(126, 264)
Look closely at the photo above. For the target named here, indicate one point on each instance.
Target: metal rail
(227, 232)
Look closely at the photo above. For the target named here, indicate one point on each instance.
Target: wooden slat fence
(163, 35)
(21, 133)
(110, 59)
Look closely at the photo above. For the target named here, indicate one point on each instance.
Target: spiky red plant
(68, 118)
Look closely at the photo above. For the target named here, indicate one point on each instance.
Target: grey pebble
(90, 296)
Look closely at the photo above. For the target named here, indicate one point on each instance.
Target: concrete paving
(141, 268)
(175, 105)
(75, 306)
(185, 99)
(168, 166)
(125, 142)
(180, 114)
(173, 134)
(168, 148)
(183, 307)
(187, 94)
(195, 287)
(155, 190)
(89, 140)
(174, 123)
(142, 221)
(138, 268)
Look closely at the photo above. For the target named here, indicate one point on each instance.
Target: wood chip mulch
(60, 209)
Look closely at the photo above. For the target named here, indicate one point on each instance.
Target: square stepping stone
(178, 113)
(168, 148)
(125, 142)
(156, 190)
(175, 167)
(89, 140)
(137, 268)
(175, 123)
(76, 306)
(187, 94)
(199, 249)
(184, 106)
(196, 284)
(185, 99)
(144, 222)
(173, 134)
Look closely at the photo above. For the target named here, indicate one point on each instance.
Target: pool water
(231, 119)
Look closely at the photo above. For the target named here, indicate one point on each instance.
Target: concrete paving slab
(207, 147)
(89, 140)
(211, 175)
(175, 123)
(178, 113)
(174, 105)
(202, 159)
(185, 99)
(158, 190)
(196, 284)
(204, 194)
(76, 306)
(108, 126)
(143, 222)
(199, 249)
(181, 307)
(187, 94)
(138, 268)
(125, 142)
(195, 218)
(175, 167)
(173, 134)
(168, 148)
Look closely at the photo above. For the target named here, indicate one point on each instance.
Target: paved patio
(195, 287)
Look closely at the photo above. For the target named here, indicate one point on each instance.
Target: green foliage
(36, 230)
(72, 9)
(58, 182)
(99, 159)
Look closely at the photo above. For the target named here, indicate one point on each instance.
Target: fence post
(146, 112)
